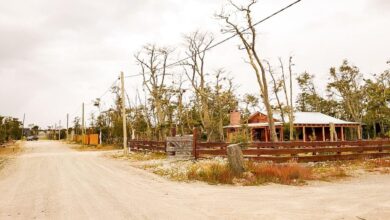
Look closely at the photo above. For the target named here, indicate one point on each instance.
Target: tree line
(10, 129)
(178, 96)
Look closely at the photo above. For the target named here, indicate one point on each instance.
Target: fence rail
(155, 146)
(301, 151)
(281, 151)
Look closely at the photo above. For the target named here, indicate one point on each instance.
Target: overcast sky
(54, 55)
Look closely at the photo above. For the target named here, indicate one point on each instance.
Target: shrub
(211, 172)
(290, 173)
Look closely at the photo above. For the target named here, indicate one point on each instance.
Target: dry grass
(217, 171)
(329, 172)
(8, 151)
(94, 148)
(141, 156)
(256, 173)
(211, 172)
(290, 173)
(11, 149)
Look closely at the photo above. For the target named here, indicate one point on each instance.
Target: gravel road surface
(51, 181)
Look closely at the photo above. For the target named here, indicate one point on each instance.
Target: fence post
(129, 145)
(194, 139)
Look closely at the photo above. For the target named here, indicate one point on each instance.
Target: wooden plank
(300, 144)
(212, 152)
(311, 150)
(142, 145)
(318, 158)
(211, 144)
(319, 144)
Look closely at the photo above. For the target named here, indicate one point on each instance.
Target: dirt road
(51, 181)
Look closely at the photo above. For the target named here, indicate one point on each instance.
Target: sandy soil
(51, 181)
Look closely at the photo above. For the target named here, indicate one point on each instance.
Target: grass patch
(289, 173)
(141, 156)
(94, 148)
(11, 149)
(329, 172)
(255, 174)
(212, 172)
(217, 171)
(8, 151)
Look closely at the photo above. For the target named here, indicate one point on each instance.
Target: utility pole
(125, 151)
(82, 124)
(24, 117)
(67, 127)
(97, 104)
(59, 130)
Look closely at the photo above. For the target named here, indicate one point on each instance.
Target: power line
(235, 34)
(211, 46)
(109, 88)
(100, 97)
(133, 75)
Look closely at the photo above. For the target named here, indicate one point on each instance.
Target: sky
(55, 55)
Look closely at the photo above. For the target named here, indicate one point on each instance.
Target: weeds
(217, 171)
(211, 172)
(142, 156)
(94, 148)
(289, 173)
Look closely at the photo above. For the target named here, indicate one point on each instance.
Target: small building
(308, 126)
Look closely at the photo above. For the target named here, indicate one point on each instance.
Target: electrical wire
(211, 46)
(233, 35)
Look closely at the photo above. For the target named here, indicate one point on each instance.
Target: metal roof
(313, 118)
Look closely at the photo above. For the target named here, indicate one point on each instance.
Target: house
(308, 126)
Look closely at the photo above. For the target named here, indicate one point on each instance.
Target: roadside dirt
(79, 147)
(51, 181)
(8, 151)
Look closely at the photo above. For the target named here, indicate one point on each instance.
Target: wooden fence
(300, 151)
(155, 146)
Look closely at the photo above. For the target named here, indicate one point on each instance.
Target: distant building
(309, 126)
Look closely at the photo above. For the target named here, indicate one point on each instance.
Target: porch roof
(314, 118)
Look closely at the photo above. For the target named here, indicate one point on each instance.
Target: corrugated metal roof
(313, 118)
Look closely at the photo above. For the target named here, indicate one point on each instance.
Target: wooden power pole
(24, 117)
(59, 130)
(125, 151)
(82, 124)
(67, 127)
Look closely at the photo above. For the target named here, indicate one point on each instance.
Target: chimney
(235, 117)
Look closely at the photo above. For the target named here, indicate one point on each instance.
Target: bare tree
(248, 37)
(277, 84)
(153, 63)
(288, 97)
(197, 44)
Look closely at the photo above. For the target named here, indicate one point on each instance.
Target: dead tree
(288, 97)
(197, 44)
(248, 37)
(153, 63)
(276, 89)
